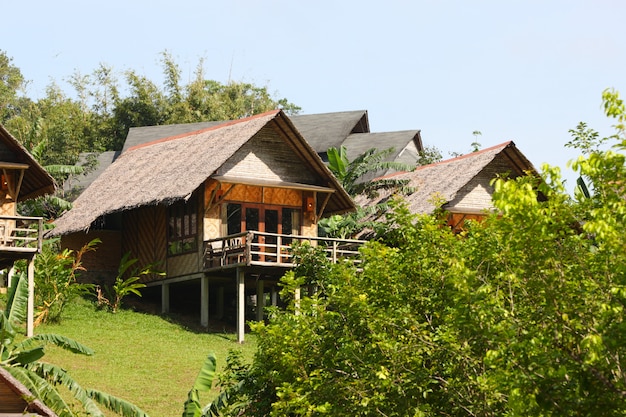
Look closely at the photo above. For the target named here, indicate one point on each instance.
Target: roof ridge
(206, 129)
(457, 158)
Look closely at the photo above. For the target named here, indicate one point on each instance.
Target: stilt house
(21, 178)
(217, 208)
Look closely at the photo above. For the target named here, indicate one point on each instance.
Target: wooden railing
(271, 249)
(21, 234)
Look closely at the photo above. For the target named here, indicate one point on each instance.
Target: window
(183, 227)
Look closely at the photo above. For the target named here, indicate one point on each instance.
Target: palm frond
(17, 299)
(57, 340)
(119, 406)
(203, 383)
(57, 376)
(22, 357)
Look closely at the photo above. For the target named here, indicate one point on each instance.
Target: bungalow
(21, 178)
(462, 184)
(217, 208)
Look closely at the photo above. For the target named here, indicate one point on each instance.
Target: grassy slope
(142, 358)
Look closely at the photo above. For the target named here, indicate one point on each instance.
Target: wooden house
(21, 178)
(17, 400)
(216, 208)
(462, 184)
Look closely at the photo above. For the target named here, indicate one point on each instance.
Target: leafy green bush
(56, 279)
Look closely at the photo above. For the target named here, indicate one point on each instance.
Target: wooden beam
(204, 301)
(165, 298)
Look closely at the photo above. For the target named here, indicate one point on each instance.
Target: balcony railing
(270, 249)
(21, 234)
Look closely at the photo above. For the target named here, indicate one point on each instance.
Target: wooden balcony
(20, 238)
(254, 248)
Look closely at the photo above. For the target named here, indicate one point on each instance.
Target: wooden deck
(271, 250)
(20, 238)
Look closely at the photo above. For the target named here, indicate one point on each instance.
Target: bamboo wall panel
(181, 265)
(246, 193)
(7, 205)
(282, 197)
(212, 223)
(145, 236)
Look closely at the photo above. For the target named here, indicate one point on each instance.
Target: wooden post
(30, 308)
(274, 296)
(204, 301)
(260, 299)
(241, 305)
(165, 298)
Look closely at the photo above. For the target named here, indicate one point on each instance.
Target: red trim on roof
(468, 155)
(196, 132)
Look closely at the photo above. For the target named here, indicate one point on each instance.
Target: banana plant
(352, 174)
(203, 383)
(22, 360)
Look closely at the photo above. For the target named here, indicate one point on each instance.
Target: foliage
(56, 279)
(125, 284)
(203, 383)
(22, 360)
(352, 174)
(521, 314)
(355, 177)
(429, 155)
(11, 82)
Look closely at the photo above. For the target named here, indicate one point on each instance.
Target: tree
(11, 82)
(22, 360)
(521, 314)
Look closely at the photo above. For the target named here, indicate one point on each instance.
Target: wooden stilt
(204, 301)
(241, 305)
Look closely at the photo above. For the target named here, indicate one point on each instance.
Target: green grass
(143, 358)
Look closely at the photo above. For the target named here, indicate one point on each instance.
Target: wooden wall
(144, 235)
(101, 265)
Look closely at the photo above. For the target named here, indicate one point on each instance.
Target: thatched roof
(16, 399)
(444, 179)
(172, 168)
(37, 181)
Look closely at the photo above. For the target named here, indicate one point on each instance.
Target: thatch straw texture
(443, 180)
(159, 172)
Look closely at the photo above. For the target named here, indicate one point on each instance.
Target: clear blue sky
(526, 71)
